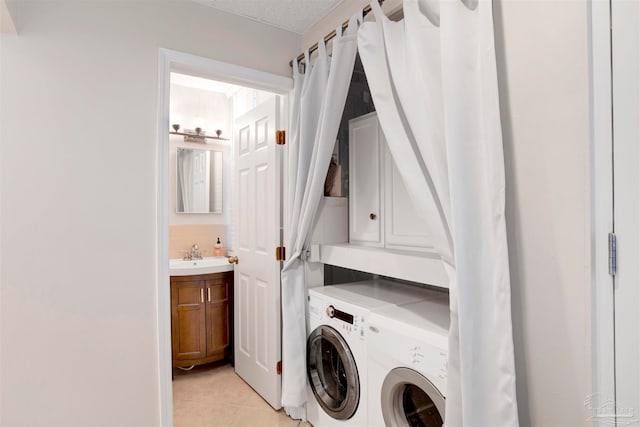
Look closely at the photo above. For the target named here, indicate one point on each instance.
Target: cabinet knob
(372, 216)
(233, 260)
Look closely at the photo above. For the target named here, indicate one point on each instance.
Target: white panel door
(257, 227)
(404, 227)
(626, 122)
(365, 167)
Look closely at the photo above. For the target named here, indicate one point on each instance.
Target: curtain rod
(332, 34)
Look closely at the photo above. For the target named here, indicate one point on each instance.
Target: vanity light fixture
(198, 135)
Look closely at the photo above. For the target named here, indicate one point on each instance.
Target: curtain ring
(354, 23)
(296, 67)
(376, 9)
(470, 4)
(307, 60)
(322, 49)
(429, 9)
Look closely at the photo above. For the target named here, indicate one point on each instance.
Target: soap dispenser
(217, 249)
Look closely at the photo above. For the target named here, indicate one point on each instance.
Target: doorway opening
(218, 165)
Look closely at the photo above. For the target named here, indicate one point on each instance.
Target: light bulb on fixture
(198, 122)
(198, 133)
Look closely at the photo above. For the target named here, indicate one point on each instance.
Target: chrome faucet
(194, 254)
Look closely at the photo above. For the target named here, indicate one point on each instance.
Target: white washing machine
(337, 350)
(407, 350)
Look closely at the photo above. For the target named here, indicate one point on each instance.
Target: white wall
(542, 52)
(78, 210)
(185, 106)
(245, 99)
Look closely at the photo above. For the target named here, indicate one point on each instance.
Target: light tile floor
(215, 396)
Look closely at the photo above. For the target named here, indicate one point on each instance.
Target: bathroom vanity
(201, 318)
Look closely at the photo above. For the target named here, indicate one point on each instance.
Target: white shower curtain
(435, 90)
(194, 168)
(201, 181)
(319, 99)
(185, 178)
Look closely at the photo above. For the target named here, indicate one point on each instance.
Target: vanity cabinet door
(201, 318)
(217, 316)
(365, 170)
(188, 320)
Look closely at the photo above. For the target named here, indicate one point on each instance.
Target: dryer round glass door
(332, 373)
(409, 399)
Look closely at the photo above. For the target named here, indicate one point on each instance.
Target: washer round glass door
(409, 399)
(332, 372)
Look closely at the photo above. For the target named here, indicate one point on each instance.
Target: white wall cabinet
(365, 171)
(385, 235)
(381, 213)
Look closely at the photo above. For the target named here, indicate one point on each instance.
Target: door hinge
(280, 253)
(279, 367)
(613, 254)
(281, 137)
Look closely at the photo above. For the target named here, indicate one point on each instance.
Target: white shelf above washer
(421, 267)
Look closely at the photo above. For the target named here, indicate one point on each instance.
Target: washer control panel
(345, 318)
(344, 321)
(416, 353)
(421, 356)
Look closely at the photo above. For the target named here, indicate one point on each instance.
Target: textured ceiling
(292, 15)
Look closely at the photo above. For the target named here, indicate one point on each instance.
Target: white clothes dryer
(407, 350)
(337, 350)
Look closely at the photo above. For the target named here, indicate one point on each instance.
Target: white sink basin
(207, 265)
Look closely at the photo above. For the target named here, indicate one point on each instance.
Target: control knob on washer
(331, 311)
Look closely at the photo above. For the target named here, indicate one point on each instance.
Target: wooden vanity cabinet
(201, 318)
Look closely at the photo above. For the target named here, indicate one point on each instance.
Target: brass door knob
(372, 216)
(233, 260)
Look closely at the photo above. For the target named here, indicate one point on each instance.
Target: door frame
(168, 61)
(601, 209)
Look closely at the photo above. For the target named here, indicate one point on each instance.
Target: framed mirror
(199, 181)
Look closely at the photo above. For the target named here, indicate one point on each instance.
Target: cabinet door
(365, 216)
(217, 317)
(404, 228)
(187, 320)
